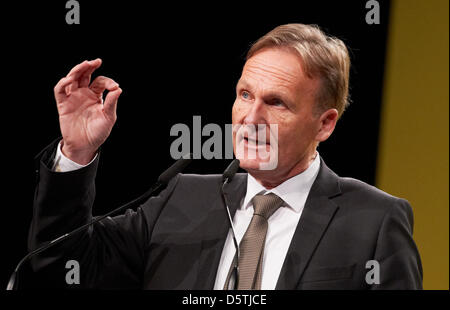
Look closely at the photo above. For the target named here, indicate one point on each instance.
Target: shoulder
(355, 188)
(358, 195)
(365, 206)
(202, 181)
(201, 187)
(351, 191)
(195, 179)
(354, 196)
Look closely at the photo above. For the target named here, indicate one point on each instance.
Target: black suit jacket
(175, 240)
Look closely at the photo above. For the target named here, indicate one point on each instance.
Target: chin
(258, 165)
(250, 164)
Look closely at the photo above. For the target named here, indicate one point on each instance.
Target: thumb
(110, 103)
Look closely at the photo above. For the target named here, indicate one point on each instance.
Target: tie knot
(266, 205)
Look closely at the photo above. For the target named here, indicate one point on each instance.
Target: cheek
(235, 115)
(292, 138)
(238, 112)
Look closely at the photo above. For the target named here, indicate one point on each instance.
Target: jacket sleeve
(110, 254)
(396, 252)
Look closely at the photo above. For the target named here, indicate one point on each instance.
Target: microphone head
(231, 170)
(176, 168)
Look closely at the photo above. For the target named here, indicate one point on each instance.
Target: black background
(173, 61)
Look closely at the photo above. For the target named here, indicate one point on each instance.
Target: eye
(245, 94)
(276, 102)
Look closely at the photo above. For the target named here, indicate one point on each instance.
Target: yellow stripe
(413, 159)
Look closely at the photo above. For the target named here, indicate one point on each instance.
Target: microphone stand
(228, 176)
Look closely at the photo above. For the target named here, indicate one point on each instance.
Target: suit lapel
(216, 230)
(318, 212)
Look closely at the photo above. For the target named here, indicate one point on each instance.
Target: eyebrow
(271, 94)
(242, 83)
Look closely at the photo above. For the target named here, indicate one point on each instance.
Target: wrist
(81, 157)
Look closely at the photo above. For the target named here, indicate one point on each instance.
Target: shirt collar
(293, 191)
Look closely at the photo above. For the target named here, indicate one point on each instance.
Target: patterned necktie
(252, 244)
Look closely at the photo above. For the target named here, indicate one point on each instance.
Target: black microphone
(176, 168)
(231, 170)
(227, 177)
(163, 180)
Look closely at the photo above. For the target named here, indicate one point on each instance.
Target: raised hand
(85, 120)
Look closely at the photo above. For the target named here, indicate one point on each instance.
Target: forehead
(274, 67)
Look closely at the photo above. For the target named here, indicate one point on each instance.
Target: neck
(269, 181)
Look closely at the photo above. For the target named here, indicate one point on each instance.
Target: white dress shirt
(282, 223)
(63, 164)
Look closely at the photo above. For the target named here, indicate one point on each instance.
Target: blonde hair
(322, 56)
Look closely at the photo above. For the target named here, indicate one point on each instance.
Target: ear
(327, 123)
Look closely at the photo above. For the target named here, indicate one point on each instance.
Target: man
(299, 225)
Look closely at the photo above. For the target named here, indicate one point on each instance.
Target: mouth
(249, 140)
(253, 136)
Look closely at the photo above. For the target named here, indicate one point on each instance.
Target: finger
(85, 78)
(60, 88)
(101, 83)
(79, 69)
(77, 72)
(110, 105)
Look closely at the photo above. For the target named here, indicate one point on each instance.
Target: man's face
(273, 89)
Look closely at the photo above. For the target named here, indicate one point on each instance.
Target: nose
(256, 114)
